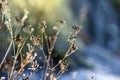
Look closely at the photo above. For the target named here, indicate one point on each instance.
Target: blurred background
(99, 41)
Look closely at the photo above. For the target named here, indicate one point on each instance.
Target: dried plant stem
(46, 39)
(10, 45)
(50, 51)
(62, 58)
(68, 51)
(17, 53)
(41, 48)
(19, 27)
(59, 75)
(13, 65)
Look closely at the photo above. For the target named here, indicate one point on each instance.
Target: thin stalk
(46, 39)
(59, 76)
(63, 57)
(17, 53)
(10, 45)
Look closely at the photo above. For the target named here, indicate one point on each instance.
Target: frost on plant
(21, 61)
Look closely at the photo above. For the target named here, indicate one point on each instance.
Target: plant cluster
(17, 64)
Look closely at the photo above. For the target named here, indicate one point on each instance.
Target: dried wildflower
(34, 66)
(30, 48)
(74, 48)
(4, 7)
(61, 22)
(35, 40)
(76, 28)
(18, 39)
(28, 29)
(42, 26)
(29, 58)
(63, 66)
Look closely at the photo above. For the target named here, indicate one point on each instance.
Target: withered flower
(34, 66)
(18, 39)
(28, 29)
(61, 22)
(35, 40)
(42, 26)
(29, 58)
(76, 28)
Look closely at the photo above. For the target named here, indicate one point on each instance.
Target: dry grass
(18, 42)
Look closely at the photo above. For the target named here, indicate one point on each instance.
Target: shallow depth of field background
(99, 41)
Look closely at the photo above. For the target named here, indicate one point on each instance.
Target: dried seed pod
(18, 39)
(34, 66)
(42, 26)
(76, 28)
(61, 22)
(35, 40)
(28, 29)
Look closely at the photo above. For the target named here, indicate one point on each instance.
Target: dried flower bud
(76, 28)
(34, 66)
(35, 40)
(61, 22)
(18, 39)
(30, 48)
(42, 26)
(74, 48)
(28, 29)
